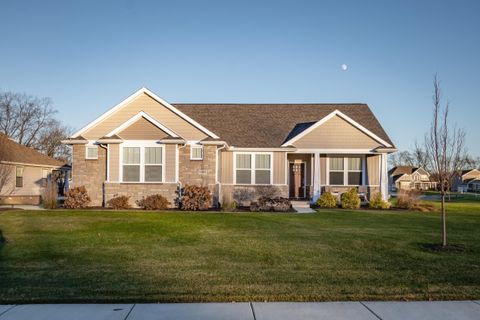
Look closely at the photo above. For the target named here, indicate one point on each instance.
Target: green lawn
(106, 256)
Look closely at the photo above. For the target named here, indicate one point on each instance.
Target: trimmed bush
(119, 202)
(277, 204)
(350, 199)
(154, 202)
(327, 200)
(243, 195)
(377, 202)
(196, 198)
(50, 195)
(77, 198)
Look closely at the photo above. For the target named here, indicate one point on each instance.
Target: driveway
(437, 310)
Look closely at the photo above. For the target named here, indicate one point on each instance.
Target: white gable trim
(155, 97)
(473, 170)
(137, 117)
(344, 117)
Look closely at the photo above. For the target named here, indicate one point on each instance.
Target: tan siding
(142, 129)
(154, 109)
(32, 181)
(170, 155)
(114, 160)
(471, 175)
(226, 170)
(279, 167)
(336, 133)
(373, 170)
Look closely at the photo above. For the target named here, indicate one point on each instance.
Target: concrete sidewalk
(460, 310)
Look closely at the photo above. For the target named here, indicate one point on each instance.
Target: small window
(196, 153)
(44, 177)
(336, 171)
(244, 169)
(19, 177)
(92, 152)
(153, 164)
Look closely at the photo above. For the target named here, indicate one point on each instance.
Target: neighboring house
(410, 178)
(24, 172)
(467, 181)
(145, 145)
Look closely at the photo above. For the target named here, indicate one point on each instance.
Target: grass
(106, 256)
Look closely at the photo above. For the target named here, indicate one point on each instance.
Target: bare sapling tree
(445, 146)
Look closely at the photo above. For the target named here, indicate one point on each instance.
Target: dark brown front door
(297, 179)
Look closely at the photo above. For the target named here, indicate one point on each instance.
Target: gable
(144, 102)
(336, 133)
(142, 129)
(471, 174)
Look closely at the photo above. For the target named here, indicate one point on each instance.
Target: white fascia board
(344, 117)
(337, 151)
(155, 97)
(288, 149)
(135, 118)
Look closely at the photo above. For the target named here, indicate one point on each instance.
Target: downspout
(104, 146)
(179, 183)
(216, 173)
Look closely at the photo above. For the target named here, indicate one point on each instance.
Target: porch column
(384, 176)
(316, 177)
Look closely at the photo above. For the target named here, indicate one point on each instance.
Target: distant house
(410, 178)
(24, 173)
(467, 181)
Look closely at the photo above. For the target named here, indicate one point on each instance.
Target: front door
(297, 180)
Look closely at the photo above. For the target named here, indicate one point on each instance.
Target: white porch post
(316, 177)
(384, 176)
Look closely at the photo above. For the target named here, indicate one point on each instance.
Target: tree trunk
(444, 222)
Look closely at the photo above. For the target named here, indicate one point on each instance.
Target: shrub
(77, 198)
(267, 191)
(154, 202)
(327, 200)
(242, 195)
(50, 195)
(377, 202)
(350, 199)
(196, 198)
(271, 204)
(408, 199)
(119, 202)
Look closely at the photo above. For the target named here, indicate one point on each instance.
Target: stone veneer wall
(199, 172)
(90, 173)
(137, 191)
(227, 191)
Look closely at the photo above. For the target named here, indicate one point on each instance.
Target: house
(145, 145)
(467, 181)
(24, 173)
(410, 178)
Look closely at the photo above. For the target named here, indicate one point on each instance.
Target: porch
(309, 174)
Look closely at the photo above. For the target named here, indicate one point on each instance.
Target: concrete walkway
(438, 310)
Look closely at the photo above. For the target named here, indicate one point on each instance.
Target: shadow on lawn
(3, 240)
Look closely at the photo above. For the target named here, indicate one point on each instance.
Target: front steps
(302, 206)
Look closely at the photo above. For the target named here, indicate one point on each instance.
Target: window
(131, 164)
(196, 153)
(253, 168)
(92, 152)
(142, 164)
(355, 171)
(153, 164)
(345, 171)
(19, 177)
(44, 177)
(336, 171)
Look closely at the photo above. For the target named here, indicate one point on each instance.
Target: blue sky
(89, 55)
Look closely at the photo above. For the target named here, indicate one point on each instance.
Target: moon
(344, 67)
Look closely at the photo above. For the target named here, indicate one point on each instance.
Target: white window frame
(252, 168)
(196, 147)
(86, 152)
(142, 145)
(346, 170)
